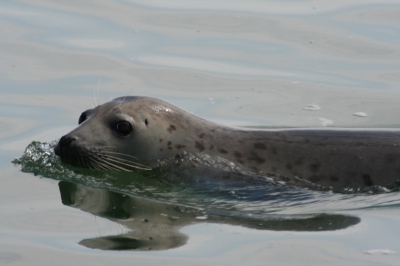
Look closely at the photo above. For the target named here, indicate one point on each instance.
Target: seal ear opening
(82, 118)
(85, 116)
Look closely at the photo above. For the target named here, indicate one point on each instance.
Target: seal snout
(63, 146)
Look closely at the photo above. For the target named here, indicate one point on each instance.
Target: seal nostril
(65, 141)
(69, 140)
(63, 145)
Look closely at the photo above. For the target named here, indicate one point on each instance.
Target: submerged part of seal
(137, 132)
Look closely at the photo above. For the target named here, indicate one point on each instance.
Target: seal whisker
(104, 164)
(110, 166)
(115, 166)
(139, 167)
(119, 153)
(98, 93)
(81, 162)
(98, 165)
(126, 96)
(144, 167)
(98, 162)
(131, 164)
(106, 146)
(92, 164)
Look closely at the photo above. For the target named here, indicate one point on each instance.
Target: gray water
(250, 64)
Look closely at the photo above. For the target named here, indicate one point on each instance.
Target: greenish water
(254, 64)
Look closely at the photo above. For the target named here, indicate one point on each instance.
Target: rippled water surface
(264, 64)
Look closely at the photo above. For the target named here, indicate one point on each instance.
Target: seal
(137, 132)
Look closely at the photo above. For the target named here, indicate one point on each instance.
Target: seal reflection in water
(156, 226)
(137, 132)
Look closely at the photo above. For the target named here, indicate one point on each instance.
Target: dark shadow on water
(155, 225)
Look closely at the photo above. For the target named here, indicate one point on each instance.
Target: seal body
(137, 132)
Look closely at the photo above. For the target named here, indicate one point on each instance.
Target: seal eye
(123, 128)
(82, 118)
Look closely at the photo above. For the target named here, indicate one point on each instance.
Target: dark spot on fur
(390, 158)
(289, 166)
(255, 169)
(256, 157)
(117, 110)
(161, 140)
(367, 180)
(201, 135)
(169, 148)
(314, 167)
(273, 169)
(169, 143)
(274, 150)
(212, 130)
(259, 145)
(178, 156)
(241, 141)
(299, 161)
(171, 128)
(333, 178)
(240, 161)
(222, 151)
(211, 148)
(237, 154)
(179, 146)
(199, 146)
(161, 149)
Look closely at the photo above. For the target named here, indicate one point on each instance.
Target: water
(257, 64)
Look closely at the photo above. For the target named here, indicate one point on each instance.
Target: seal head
(110, 136)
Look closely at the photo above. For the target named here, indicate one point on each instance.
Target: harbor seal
(137, 132)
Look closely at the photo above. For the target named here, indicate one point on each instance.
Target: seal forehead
(143, 103)
(161, 108)
(126, 99)
(116, 110)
